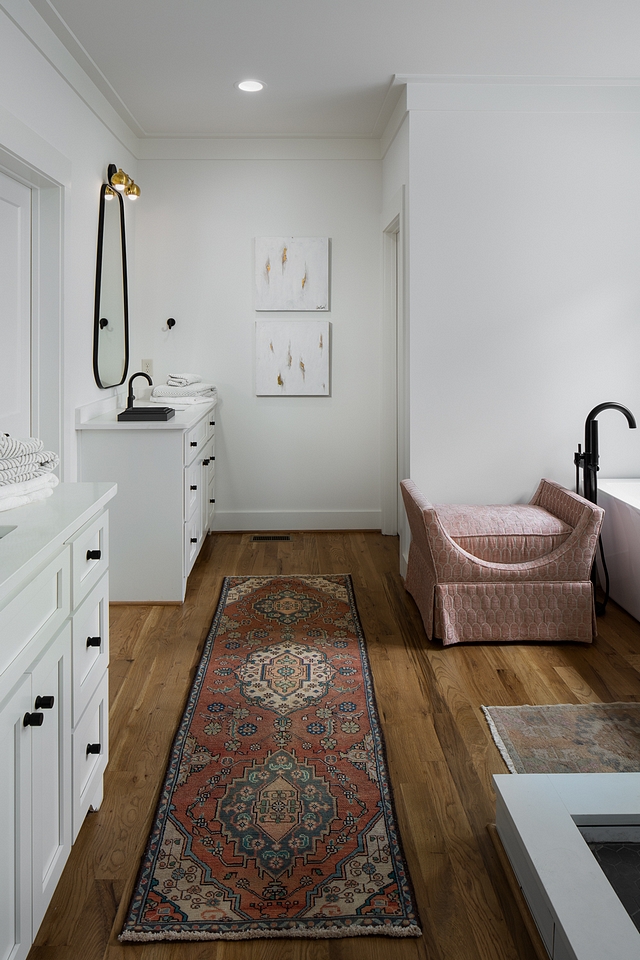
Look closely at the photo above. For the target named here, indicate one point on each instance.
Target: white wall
(34, 92)
(525, 296)
(282, 462)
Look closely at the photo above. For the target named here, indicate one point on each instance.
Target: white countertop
(43, 526)
(183, 420)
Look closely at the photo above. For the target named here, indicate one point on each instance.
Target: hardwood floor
(440, 752)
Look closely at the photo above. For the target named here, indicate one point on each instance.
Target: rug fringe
(307, 933)
(497, 739)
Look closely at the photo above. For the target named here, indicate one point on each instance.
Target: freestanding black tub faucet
(590, 458)
(589, 462)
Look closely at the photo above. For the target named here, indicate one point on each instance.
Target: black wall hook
(171, 323)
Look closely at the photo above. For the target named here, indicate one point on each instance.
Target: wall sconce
(122, 182)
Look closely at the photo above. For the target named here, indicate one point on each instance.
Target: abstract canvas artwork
(292, 273)
(292, 358)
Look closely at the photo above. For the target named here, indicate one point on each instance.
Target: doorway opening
(395, 453)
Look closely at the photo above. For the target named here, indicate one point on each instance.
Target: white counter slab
(183, 419)
(42, 527)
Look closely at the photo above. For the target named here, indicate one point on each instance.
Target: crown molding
(23, 15)
(300, 148)
(522, 94)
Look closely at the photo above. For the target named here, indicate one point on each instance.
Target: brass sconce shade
(119, 180)
(122, 182)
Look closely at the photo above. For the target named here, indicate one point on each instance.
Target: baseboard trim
(297, 520)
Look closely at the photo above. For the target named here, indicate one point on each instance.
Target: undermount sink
(5, 530)
(134, 414)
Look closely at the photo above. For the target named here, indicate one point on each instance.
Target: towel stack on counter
(25, 471)
(183, 388)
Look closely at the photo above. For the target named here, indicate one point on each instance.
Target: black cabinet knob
(94, 748)
(212, 501)
(212, 423)
(194, 539)
(94, 554)
(194, 443)
(94, 641)
(205, 463)
(213, 458)
(45, 703)
(194, 486)
(33, 720)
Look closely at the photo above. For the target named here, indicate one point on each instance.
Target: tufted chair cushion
(503, 533)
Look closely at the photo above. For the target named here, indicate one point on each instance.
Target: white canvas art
(292, 358)
(292, 273)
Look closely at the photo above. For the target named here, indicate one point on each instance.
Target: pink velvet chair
(504, 573)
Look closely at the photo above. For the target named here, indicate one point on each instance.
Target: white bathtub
(620, 500)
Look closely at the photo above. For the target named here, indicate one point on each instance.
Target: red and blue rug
(275, 818)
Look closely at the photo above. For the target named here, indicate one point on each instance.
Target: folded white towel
(13, 447)
(46, 482)
(183, 379)
(193, 391)
(9, 503)
(180, 403)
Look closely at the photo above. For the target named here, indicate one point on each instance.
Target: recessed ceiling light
(250, 86)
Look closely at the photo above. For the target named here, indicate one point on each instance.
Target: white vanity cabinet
(46, 578)
(165, 473)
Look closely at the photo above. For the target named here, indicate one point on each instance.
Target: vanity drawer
(195, 439)
(211, 424)
(89, 556)
(88, 767)
(193, 482)
(38, 610)
(90, 659)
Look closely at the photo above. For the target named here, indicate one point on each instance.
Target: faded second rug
(275, 818)
(568, 737)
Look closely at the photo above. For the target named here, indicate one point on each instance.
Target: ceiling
(169, 67)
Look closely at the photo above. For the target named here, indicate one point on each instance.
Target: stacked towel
(17, 494)
(199, 389)
(183, 379)
(25, 471)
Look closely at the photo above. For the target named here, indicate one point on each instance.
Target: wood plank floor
(440, 752)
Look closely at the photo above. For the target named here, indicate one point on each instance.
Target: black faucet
(130, 396)
(589, 460)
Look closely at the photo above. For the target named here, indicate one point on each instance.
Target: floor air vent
(261, 539)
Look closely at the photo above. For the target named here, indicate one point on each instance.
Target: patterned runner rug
(275, 818)
(568, 737)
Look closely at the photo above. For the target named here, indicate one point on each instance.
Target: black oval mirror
(111, 314)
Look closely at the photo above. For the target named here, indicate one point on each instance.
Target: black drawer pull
(212, 423)
(194, 443)
(194, 486)
(94, 641)
(205, 463)
(212, 501)
(33, 720)
(45, 703)
(194, 539)
(213, 458)
(94, 554)
(94, 748)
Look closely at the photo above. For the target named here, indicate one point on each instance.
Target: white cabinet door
(15, 817)
(51, 777)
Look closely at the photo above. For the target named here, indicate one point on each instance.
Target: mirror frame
(125, 287)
